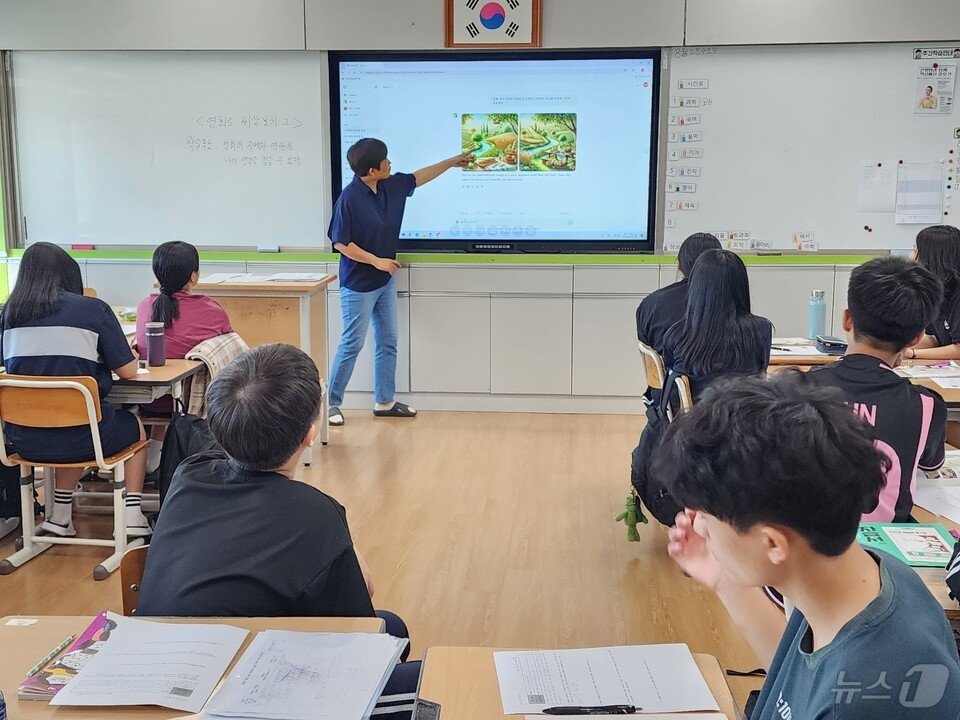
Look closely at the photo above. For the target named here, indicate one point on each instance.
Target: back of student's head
(778, 451)
(46, 270)
(263, 404)
(174, 264)
(693, 247)
(891, 300)
(717, 331)
(938, 250)
(366, 155)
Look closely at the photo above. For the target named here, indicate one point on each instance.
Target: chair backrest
(684, 392)
(653, 364)
(89, 292)
(132, 565)
(49, 402)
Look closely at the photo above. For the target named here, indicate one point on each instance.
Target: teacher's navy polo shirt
(372, 221)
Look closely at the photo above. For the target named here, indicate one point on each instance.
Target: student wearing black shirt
(659, 310)
(889, 303)
(238, 535)
(938, 250)
(718, 335)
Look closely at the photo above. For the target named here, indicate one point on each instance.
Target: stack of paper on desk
(152, 663)
(929, 371)
(287, 675)
(788, 350)
(295, 277)
(217, 278)
(653, 678)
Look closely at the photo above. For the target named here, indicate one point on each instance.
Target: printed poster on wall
(933, 92)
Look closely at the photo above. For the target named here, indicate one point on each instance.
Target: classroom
(468, 359)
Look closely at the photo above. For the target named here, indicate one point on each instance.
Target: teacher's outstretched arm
(432, 172)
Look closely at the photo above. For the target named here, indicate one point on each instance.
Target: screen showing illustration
(562, 147)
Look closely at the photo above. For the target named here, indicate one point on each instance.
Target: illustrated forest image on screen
(492, 139)
(548, 142)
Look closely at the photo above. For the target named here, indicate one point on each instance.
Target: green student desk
(24, 645)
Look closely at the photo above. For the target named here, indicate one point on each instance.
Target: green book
(914, 544)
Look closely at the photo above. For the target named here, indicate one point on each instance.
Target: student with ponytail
(188, 319)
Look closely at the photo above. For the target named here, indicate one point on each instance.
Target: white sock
(386, 406)
(62, 507)
(134, 511)
(153, 455)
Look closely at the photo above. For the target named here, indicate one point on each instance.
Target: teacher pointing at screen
(365, 230)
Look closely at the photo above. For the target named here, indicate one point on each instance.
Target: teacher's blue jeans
(358, 310)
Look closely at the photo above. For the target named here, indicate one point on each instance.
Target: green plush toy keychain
(631, 515)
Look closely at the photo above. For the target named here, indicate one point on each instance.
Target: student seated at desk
(188, 320)
(776, 474)
(51, 329)
(938, 250)
(889, 302)
(238, 535)
(659, 310)
(718, 335)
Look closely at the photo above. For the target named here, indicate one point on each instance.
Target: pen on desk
(49, 656)
(594, 710)
(781, 349)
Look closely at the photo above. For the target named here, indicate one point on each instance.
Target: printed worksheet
(652, 678)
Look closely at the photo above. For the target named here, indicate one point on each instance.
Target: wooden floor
(480, 529)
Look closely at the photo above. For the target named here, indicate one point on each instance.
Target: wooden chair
(653, 364)
(60, 402)
(684, 392)
(131, 575)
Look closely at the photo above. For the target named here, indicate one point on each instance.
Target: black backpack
(186, 436)
(652, 492)
(9, 491)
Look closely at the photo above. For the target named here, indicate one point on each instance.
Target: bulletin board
(811, 148)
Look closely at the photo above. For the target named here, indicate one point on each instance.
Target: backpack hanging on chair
(651, 491)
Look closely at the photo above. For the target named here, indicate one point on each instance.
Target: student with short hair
(50, 329)
(238, 535)
(890, 300)
(938, 250)
(188, 320)
(659, 310)
(776, 474)
(365, 230)
(718, 335)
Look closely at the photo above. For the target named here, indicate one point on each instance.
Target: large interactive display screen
(564, 144)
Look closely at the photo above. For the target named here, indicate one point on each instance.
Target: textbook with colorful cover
(914, 544)
(59, 671)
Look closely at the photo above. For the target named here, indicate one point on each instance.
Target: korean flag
(492, 21)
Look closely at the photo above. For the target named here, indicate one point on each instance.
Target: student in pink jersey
(188, 319)
(889, 303)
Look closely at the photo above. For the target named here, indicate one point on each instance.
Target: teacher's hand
(386, 265)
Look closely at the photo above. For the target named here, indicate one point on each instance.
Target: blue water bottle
(816, 314)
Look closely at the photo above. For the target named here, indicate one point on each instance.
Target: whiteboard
(138, 148)
(786, 134)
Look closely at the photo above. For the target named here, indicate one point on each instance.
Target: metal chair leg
(31, 548)
(103, 570)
